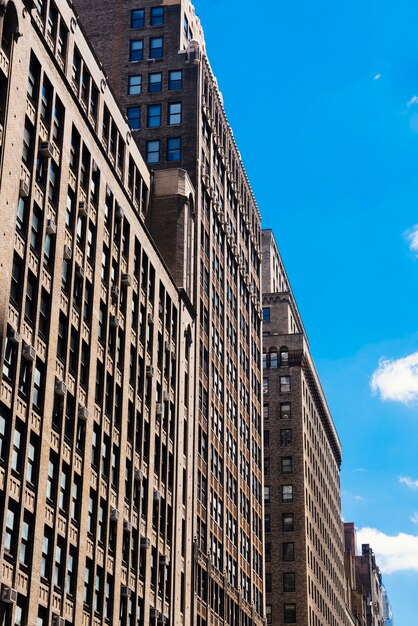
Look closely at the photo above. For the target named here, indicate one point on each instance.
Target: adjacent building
(97, 352)
(304, 546)
(369, 577)
(154, 54)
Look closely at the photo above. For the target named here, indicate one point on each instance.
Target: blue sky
(323, 101)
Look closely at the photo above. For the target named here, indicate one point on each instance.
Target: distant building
(387, 609)
(304, 547)
(355, 593)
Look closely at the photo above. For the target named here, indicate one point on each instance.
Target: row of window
(289, 614)
(284, 384)
(154, 114)
(155, 82)
(155, 49)
(156, 17)
(286, 491)
(288, 582)
(272, 359)
(173, 150)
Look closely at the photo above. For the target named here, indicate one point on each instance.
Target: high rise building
(96, 337)
(302, 455)
(369, 577)
(387, 609)
(355, 593)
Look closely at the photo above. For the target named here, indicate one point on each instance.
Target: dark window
(175, 79)
(266, 313)
(267, 524)
(289, 613)
(289, 581)
(153, 115)
(137, 18)
(285, 413)
(134, 85)
(174, 113)
(134, 117)
(153, 151)
(287, 464)
(157, 16)
(136, 50)
(288, 550)
(156, 49)
(155, 82)
(288, 522)
(174, 149)
(285, 436)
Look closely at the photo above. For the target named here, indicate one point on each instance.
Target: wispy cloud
(414, 518)
(397, 379)
(377, 77)
(394, 553)
(411, 236)
(412, 101)
(409, 482)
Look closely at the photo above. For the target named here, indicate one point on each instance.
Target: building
(154, 55)
(96, 346)
(387, 609)
(355, 593)
(302, 455)
(369, 577)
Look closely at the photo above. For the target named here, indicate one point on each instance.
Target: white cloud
(413, 484)
(394, 553)
(413, 100)
(397, 379)
(377, 77)
(414, 518)
(411, 236)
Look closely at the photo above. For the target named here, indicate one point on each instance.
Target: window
(285, 411)
(284, 384)
(155, 82)
(287, 464)
(136, 50)
(9, 531)
(134, 117)
(25, 540)
(174, 113)
(31, 463)
(285, 436)
(153, 115)
(156, 48)
(153, 151)
(157, 16)
(265, 385)
(284, 356)
(288, 551)
(134, 85)
(37, 393)
(289, 613)
(289, 581)
(175, 79)
(266, 494)
(269, 619)
(266, 435)
(17, 449)
(266, 313)
(288, 522)
(137, 18)
(287, 493)
(173, 149)
(266, 466)
(267, 524)
(266, 411)
(273, 359)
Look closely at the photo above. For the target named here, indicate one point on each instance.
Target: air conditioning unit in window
(150, 319)
(158, 409)
(79, 272)
(114, 514)
(8, 595)
(83, 413)
(126, 280)
(114, 292)
(94, 166)
(24, 189)
(156, 496)
(161, 619)
(83, 209)
(28, 352)
(154, 613)
(138, 475)
(149, 371)
(119, 213)
(127, 526)
(145, 543)
(58, 621)
(114, 321)
(67, 253)
(46, 149)
(164, 560)
(13, 336)
(125, 592)
(167, 346)
(166, 396)
(51, 227)
(60, 388)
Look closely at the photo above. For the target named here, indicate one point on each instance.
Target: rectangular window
(153, 151)
(285, 436)
(266, 495)
(288, 551)
(266, 313)
(174, 113)
(288, 522)
(267, 524)
(289, 613)
(285, 413)
(157, 16)
(287, 493)
(289, 581)
(137, 18)
(153, 115)
(174, 149)
(155, 82)
(134, 117)
(175, 79)
(134, 85)
(287, 464)
(136, 50)
(284, 384)
(156, 49)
